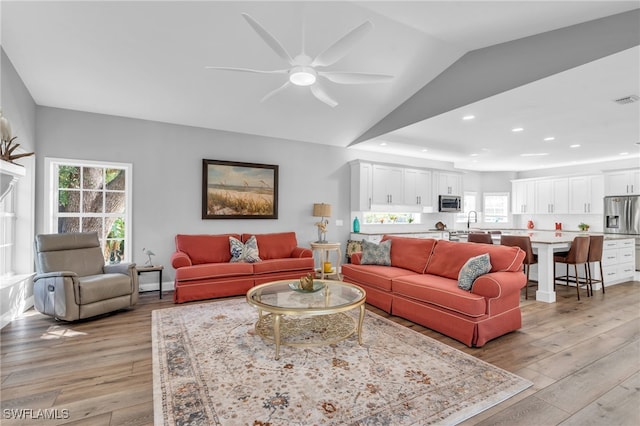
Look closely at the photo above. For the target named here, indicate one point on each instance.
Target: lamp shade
(322, 210)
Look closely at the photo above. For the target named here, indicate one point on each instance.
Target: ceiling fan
(304, 70)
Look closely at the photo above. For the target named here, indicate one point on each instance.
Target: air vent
(627, 100)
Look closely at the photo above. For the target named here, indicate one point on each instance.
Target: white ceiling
(146, 60)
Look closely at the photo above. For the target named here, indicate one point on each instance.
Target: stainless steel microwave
(449, 203)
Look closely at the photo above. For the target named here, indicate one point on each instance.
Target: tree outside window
(90, 196)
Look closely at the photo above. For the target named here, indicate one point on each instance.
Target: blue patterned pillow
(376, 254)
(247, 252)
(471, 270)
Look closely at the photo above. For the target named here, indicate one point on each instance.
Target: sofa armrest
(120, 268)
(356, 258)
(180, 259)
(301, 252)
(54, 275)
(497, 284)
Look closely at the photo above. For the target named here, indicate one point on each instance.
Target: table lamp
(323, 211)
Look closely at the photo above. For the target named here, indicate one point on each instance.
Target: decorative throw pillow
(247, 252)
(471, 270)
(376, 254)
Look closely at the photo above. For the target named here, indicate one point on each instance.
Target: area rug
(211, 368)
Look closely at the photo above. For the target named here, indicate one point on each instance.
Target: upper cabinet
(361, 186)
(523, 197)
(622, 182)
(417, 187)
(585, 194)
(561, 195)
(552, 196)
(448, 183)
(382, 186)
(387, 184)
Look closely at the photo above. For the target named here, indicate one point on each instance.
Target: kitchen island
(618, 258)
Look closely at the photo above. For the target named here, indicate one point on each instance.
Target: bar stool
(578, 254)
(479, 237)
(524, 242)
(595, 255)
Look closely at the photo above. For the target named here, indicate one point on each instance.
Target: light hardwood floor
(582, 356)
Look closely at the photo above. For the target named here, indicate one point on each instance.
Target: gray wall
(167, 175)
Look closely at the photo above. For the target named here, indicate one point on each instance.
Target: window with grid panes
(90, 196)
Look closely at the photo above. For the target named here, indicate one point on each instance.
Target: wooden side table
(154, 268)
(325, 249)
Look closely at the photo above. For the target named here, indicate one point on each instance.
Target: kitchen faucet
(475, 218)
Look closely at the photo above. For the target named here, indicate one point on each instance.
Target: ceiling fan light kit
(303, 72)
(302, 76)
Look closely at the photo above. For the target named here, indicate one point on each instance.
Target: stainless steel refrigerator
(622, 216)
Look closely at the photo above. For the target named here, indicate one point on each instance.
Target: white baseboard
(166, 286)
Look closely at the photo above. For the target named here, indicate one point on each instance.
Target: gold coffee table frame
(291, 312)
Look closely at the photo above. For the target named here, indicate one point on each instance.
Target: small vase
(356, 225)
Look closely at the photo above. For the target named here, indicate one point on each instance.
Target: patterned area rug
(210, 367)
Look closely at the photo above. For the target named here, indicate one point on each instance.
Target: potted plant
(583, 226)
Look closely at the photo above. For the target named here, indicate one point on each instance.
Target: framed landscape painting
(233, 190)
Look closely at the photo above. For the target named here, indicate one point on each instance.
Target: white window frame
(51, 194)
(486, 216)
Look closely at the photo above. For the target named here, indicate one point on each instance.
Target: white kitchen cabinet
(622, 182)
(447, 183)
(361, 186)
(417, 187)
(618, 261)
(387, 184)
(523, 196)
(552, 196)
(585, 194)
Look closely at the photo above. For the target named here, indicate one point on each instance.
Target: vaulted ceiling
(551, 68)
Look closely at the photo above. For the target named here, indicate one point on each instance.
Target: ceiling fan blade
(341, 47)
(271, 41)
(273, 92)
(248, 70)
(355, 77)
(322, 96)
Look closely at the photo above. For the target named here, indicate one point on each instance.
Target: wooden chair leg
(575, 267)
(588, 280)
(526, 292)
(601, 277)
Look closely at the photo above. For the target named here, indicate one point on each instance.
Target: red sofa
(203, 270)
(421, 285)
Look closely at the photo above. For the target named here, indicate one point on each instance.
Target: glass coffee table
(307, 318)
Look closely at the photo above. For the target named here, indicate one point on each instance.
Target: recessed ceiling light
(474, 154)
(469, 117)
(383, 144)
(624, 153)
(534, 154)
(517, 129)
(425, 150)
(550, 138)
(575, 145)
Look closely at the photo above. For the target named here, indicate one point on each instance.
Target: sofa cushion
(283, 265)
(476, 266)
(205, 248)
(440, 291)
(410, 253)
(214, 270)
(376, 254)
(274, 246)
(448, 257)
(374, 275)
(244, 252)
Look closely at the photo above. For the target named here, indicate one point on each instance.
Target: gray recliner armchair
(72, 282)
